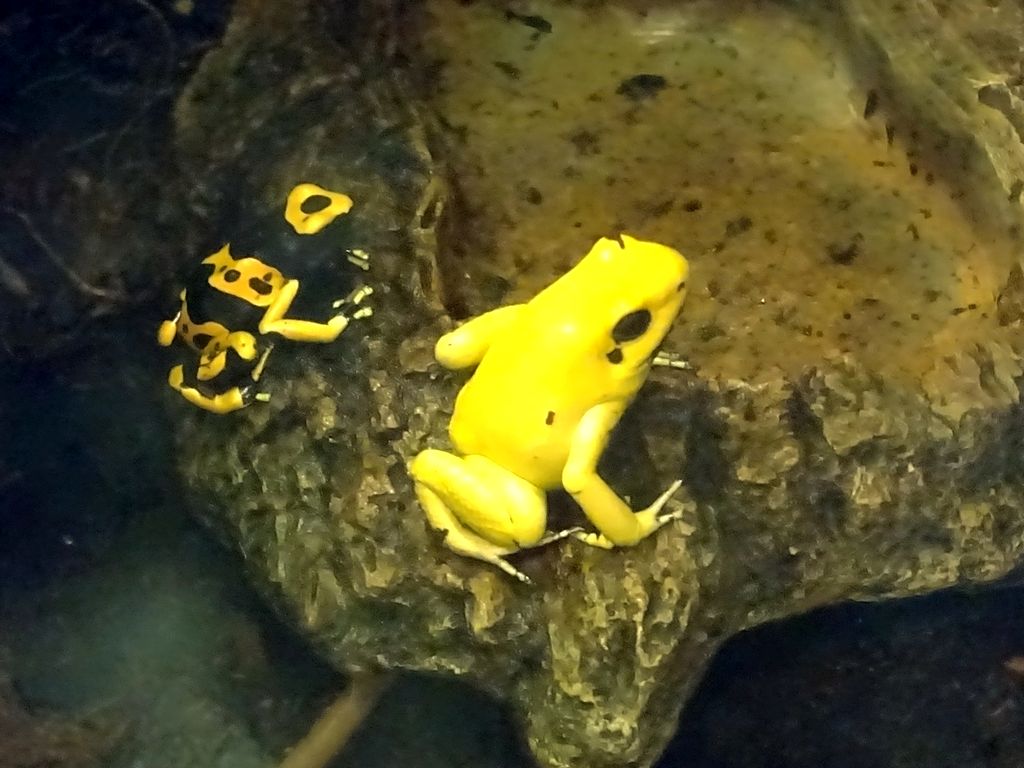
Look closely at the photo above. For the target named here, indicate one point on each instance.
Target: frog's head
(633, 291)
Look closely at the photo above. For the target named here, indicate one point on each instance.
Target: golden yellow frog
(553, 376)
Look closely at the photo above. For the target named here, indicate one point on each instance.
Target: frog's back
(525, 399)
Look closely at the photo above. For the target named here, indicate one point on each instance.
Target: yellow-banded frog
(553, 376)
(249, 291)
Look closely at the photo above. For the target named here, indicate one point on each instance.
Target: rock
(810, 477)
(29, 738)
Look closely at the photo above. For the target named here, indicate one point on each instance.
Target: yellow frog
(553, 378)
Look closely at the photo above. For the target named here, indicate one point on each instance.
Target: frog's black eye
(632, 326)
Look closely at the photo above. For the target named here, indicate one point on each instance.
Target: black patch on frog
(236, 373)
(550, 418)
(615, 356)
(231, 275)
(201, 340)
(681, 287)
(208, 305)
(631, 326)
(261, 287)
(642, 86)
(314, 204)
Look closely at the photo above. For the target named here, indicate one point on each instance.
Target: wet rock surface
(816, 467)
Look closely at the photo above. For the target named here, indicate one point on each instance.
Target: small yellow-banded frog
(255, 287)
(553, 377)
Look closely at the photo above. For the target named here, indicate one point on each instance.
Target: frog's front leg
(275, 321)
(617, 523)
(467, 344)
(485, 511)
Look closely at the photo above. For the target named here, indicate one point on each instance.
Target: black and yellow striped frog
(290, 276)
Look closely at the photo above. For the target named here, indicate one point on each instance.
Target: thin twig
(76, 279)
(339, 721)
(14, 281)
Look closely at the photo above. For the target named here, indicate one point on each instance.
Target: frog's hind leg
(485, 511)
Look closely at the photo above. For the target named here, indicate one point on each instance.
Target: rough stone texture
(804, 484)
(951, 80)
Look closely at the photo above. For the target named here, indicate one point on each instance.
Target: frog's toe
(668, 517)
(685, 528)
(594, 540)
(552, 537)
(355, 298)
(662, 500)
(512, 571)
(671, 360)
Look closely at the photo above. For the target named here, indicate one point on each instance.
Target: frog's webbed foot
(650, 520)
(350, 309)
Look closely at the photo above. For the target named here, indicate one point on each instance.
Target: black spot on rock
(845, 253)
(510, 70)
(586, 142)
(538, 23)
(871, 104)
(640, 87)
(738, 226)
(709, 331)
